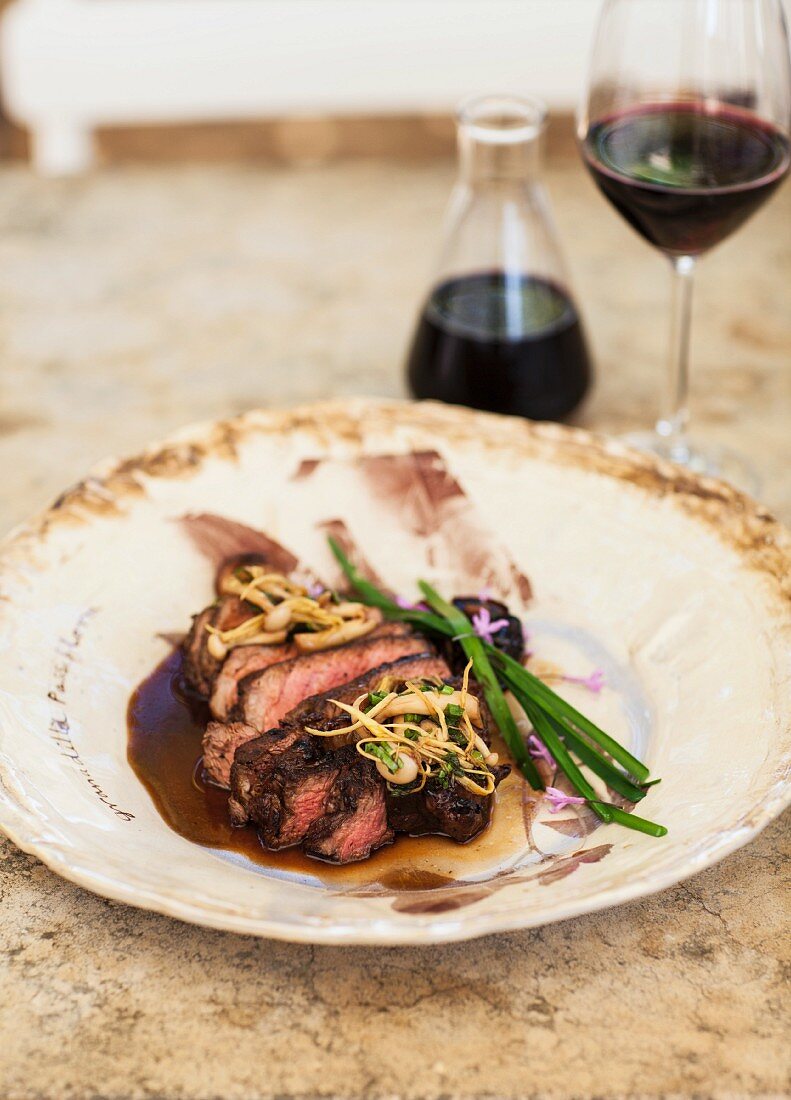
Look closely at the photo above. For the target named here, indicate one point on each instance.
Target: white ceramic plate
(675, 586)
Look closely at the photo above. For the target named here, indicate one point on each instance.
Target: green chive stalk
(632, 821)
(599, 765)
(558, 706)
(541, 725)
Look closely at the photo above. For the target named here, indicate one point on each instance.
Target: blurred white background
(69, 66)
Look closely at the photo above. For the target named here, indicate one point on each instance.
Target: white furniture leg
(61, 147)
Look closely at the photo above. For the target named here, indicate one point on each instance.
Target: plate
(675, 588)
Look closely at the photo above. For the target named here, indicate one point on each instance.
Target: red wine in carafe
(683, 176)
(500, 342)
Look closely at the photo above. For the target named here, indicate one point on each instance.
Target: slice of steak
(300, 787)
(200, 667)
(459, 813)
(241, 662)
(266, 697)
(320, 712)
(245, 660)
(255, 758)
(220, 742)
(359, 826)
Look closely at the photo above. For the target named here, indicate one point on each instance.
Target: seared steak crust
(451, 811)
(359, 825)
(334, 802)
(302, 786)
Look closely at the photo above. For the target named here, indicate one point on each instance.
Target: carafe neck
(500, 140)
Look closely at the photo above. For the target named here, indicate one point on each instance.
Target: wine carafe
(499, 329)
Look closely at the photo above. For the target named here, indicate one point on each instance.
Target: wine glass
(685, 129)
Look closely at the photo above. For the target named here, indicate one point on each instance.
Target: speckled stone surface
(136, 300)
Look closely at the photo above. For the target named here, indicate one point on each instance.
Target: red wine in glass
(686, 175)
(684, 126)
(502, 342)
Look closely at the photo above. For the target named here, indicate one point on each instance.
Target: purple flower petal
(405, 605)
(559, 800)
(316, 590)
(594, 682)
(484, 626)
(539, 751)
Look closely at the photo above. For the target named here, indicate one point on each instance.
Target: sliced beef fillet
(245, 660)
(200, 667)
(220, 742)
(333, 802)
(256, 752)
(302, 787)
(241, 662)
(253, 762)
(359, 826)
(266, 697)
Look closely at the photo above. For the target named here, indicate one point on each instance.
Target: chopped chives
(383, 753)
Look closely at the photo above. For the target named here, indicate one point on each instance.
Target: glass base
(709, 459)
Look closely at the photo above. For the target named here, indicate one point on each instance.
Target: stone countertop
(139, 299)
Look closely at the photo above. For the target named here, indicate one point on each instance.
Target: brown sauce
(164, 750)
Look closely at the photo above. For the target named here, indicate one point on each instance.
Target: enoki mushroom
(420, 734)
(287, 609)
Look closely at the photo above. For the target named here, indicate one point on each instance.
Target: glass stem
(672, 423)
